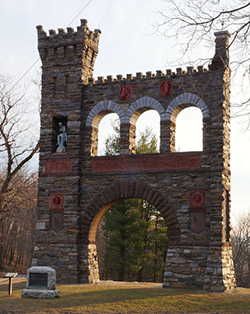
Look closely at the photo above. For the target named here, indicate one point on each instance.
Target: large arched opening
(132, 242)
(101, 203)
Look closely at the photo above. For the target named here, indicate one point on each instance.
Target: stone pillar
(83, 276)
(124, 140)
(132, 139)
(94, 142)
(185, 267)
(172, 138)
(165, 136)
(93, 263)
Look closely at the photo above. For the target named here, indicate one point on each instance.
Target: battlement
(149, 75)
(77, 49)
(70, 38)
(218, 62)
(81, 44)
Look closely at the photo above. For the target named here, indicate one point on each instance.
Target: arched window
(95, 117)
(144, 111)
(148, 132)
(188, 132)
(109, 135)
(197, 110)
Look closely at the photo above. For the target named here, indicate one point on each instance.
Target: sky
(128, 44)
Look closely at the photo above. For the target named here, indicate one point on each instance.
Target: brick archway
(124, 190)
(101, 203)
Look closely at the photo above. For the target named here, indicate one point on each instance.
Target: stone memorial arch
(191, 190)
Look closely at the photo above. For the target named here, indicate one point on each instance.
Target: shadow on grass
(73, 296)
(127, 299)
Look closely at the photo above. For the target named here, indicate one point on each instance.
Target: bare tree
(191, 24)
(241, 250)
(19, 221)
(17, 144)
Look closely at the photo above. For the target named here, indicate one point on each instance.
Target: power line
(39, 58)
(80, 12)
(25, 74)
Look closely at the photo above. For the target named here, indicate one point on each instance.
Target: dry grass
(112, 297)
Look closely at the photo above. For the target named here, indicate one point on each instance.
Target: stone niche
(41, 283)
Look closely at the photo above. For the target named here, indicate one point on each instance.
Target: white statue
(61, 139)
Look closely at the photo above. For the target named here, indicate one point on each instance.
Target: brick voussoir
(146, 193)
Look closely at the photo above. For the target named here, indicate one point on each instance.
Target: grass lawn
(117, 297)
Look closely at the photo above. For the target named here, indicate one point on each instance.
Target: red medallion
(56, 202)
(166, 88)
(125, 92)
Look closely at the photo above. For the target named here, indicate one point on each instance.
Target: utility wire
(80, 12)
(39, 58)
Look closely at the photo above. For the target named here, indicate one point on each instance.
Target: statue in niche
(62, 139)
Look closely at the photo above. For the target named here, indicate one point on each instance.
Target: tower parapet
(78, 49)
(221, 57)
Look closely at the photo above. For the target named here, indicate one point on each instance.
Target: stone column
(165, 137)
(124, 140)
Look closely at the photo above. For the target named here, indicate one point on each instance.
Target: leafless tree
(241, 250)
(17, 143)
(192, 23)
(19, 222)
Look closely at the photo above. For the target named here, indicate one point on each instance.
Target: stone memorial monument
(41, 283)
(191, 190)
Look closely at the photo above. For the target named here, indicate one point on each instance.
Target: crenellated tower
(67, 62)
(67, 53)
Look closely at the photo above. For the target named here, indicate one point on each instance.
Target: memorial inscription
(38, 280)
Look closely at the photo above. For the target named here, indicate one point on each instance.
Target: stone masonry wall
(76, 187)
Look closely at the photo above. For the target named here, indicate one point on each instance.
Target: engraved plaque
(38, 280)
(197, 222)
(56, 221)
